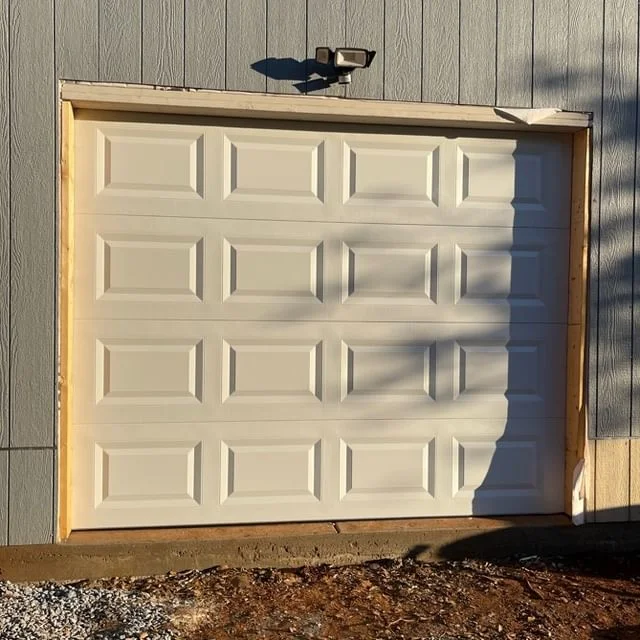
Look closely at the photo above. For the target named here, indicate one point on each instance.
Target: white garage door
(283, 322)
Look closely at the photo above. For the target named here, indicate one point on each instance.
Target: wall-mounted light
(345, 60)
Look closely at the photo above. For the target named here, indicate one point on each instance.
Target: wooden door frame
(178, 101)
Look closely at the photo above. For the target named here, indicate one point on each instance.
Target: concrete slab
(223, 532)
(293, 546)
(429, 524)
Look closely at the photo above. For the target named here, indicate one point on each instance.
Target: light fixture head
(324, 55)
(352, 58)
(344, 60)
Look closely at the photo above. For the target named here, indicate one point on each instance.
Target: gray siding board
(365, 28)
(205, 42)
(585, 66)
(478, 52)
(550, 35)
(120, 48)
(286, 45)
(32, 325)
(514, 60)
(4, 498)
(616, 219)
(76, 38)
(325, 27)
(246, 44)
(5, 226)
(163, 42)
(440, 51)
(31, 504)
(403, 50)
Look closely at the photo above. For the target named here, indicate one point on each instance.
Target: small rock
(241, 580)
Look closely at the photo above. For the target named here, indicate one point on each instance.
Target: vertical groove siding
(576, 54)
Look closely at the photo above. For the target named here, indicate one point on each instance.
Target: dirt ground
(594, 597)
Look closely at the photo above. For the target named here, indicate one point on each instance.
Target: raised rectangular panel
(270, 471)
(527, 178)
(378, 372)
(149, 371)
(142, 474)
(494, 172)
(143, 162)
(487, 275)
(494, 468)
(375, 469)
(279, 371)
(388, 274)
(264, 270)
(508, 370)
(280, 168)
(391, 173)
(145, 268)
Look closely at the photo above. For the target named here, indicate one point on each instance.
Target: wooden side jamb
(576, 437)
(65, 316)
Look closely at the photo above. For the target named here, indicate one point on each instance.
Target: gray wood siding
(32, 211)
(576, 54)
(31, 499)
(5, 233)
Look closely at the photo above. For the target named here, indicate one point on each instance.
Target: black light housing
(345, 60)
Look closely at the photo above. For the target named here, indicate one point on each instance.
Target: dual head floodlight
(344, 60)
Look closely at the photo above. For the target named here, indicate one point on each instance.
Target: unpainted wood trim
(634, 480)
(179, 101)
(575, 429)
(66, 316)
(590, 479)
(611, 472)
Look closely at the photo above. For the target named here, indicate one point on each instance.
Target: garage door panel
(403, 172)
(267, 471)
(280, 371)
(187, 268)
(167, 371)
(145, 168)
(388, 371)
(519, 464)
(258, 173)
(128, 267)
(528, 275)
(271, 271)
(137, 371)
(164, 269)
(512, 182)
(261, 471)
(391, 469)
(143, 475)
(282, 470)
(265, 166)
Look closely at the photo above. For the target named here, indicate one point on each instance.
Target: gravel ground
(51, 610)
